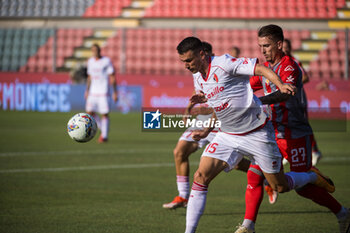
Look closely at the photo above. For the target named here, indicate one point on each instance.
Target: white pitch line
(124, 166)
(332, 159)
(80, 152)
(84, 168)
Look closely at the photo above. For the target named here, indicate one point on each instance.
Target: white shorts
(186, 136)
(99, 104)
(260, 146)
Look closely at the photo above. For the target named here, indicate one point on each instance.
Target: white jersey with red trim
(99, 71)
(228, 91)
(200, 117)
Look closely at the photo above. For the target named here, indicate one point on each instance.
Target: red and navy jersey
(289, 118)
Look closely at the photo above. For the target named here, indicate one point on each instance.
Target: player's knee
(199, 177)
(282, 188)
(178, 154)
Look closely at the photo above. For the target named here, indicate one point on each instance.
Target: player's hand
(199, 134)
(86, 94)
(115, 96)
(198, 98)
(288, 89)
(203, 109)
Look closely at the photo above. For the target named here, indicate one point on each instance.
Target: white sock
(195, 206)
(183, 186)
(248, 224)
(342, 214)
(299, 179)
(104, 127)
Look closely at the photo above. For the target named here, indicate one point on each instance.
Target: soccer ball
(82, 127)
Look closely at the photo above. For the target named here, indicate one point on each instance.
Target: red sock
(321, 197)
(254, 193)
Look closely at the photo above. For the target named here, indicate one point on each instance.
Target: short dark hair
(238, 51)
(207, 48)
(189, 43)
(271, 31)
(289, 44)
(97, 46)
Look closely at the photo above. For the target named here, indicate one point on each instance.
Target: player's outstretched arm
(88, 83)
(273, 77)
(275, 97)
(113, 82)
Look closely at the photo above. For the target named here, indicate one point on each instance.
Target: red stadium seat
(248, 9)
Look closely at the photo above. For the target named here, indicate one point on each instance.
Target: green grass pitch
(49, 183)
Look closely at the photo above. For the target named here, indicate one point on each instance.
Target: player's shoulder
(224, 61)
(196, 75)
(288, 63)
(220, 59)
(106, 58)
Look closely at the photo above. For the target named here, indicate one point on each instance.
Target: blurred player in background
(224, 82)
(287, 49)
(100, 78)
(235, 51)
(292, 130)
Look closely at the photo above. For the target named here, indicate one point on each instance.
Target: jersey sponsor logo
(216, 91)
(245, 61)
(221, 107)
(289, 68)
(290, 79)
(216, 78)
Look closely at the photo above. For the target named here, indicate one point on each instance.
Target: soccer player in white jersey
(186, 145)
(244, 130)
(100, 78)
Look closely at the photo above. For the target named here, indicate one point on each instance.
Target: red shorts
(298, 152)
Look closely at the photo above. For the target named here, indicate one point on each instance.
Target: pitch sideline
(122, 166)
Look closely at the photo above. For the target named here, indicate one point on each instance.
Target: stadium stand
(145, 50)
(106, 8)
(149, 51)
(67, 40)
(154, 50)
(330, 61)
(44, 8)
(250, 9)
(17, 45)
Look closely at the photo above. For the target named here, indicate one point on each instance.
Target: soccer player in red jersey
(292, 130)
(287, 49)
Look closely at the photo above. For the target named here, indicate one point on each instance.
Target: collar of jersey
(275, 67)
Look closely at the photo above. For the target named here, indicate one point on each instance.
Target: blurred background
(49, 183)
(44, 46)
